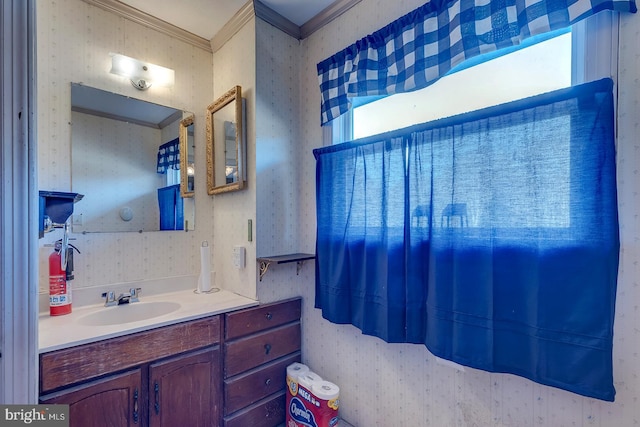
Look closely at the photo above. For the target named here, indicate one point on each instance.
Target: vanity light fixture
(141, 74)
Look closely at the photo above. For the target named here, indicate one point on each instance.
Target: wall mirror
(125, 159)
(226, 143)
(187, 156)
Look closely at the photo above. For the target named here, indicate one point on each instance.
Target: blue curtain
(490, 237)
(417, 49)
(169, 156)
(171, 208)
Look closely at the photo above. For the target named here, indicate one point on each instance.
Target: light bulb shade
(142, 74)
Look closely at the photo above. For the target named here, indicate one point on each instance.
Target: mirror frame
(234, 95)
(184, 161)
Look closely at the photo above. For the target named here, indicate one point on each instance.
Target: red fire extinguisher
(60, 276)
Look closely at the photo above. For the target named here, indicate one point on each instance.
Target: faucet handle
(110, 298)
(135, 293)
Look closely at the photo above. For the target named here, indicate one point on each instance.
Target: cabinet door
(185, 390)
(112, 401)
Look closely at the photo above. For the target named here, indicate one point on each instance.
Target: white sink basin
(126, 313)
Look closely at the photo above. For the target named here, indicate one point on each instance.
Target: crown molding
(251, 9)
(272, 17)
(327, 15)
(237, 21)
(332, 12)
(142, 18)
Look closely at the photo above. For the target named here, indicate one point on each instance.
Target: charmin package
(311, 401)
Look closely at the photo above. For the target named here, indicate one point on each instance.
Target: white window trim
(339, 129)
(597, 35)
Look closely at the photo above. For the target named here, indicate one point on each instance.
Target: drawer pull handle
(135, 406)
(267, 348)
(156, 389)
(267, 382)
(269, 316)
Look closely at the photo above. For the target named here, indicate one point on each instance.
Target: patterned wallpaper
(398, 385)
(73, 44)
(234, 64)
(277, 160)
(403, 385)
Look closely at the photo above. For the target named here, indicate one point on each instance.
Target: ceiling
(205, 18)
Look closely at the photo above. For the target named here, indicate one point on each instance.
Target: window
(172, 177)
(541, 64)
(538, 68)
(490, 236)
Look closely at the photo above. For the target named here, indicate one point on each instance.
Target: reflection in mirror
(125, 160)
(187, 150)
(226, 143)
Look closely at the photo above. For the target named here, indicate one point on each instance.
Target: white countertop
(57, 332)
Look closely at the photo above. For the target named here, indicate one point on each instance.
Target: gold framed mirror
(187, 160)
(226, 144)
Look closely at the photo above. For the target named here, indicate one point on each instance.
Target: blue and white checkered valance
(422, 46)
(169, 156)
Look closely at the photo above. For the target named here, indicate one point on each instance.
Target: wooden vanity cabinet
(180, 375)
(260, 343)
(111, 401)
(167, 376)
(183, 390)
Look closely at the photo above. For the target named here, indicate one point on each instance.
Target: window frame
(594, 50)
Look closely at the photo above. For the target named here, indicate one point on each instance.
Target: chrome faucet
(134, 292)
(131, 296)
(110, 298)
(124, 298)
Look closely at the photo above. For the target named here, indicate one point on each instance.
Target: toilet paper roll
(295, 370)
(325, 390)
(307, 380)
(204, 281)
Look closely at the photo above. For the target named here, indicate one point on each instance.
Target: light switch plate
(239, 255)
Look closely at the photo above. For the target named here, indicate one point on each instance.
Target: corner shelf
(299, 259)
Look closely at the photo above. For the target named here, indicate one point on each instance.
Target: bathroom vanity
(226, 369)
(170, 373)
(259, 344)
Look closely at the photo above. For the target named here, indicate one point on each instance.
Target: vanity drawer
(249, 352)
(260, 343)
(77, 364)
(269, 412)
(244, 322)
(245, 389)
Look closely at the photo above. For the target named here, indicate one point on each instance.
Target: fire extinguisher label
(58, 290)
(58, 300)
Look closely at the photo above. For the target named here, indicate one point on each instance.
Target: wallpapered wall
(74, 41)
(381, 384)
(278, 151)
(234, 64)
(403, 385)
